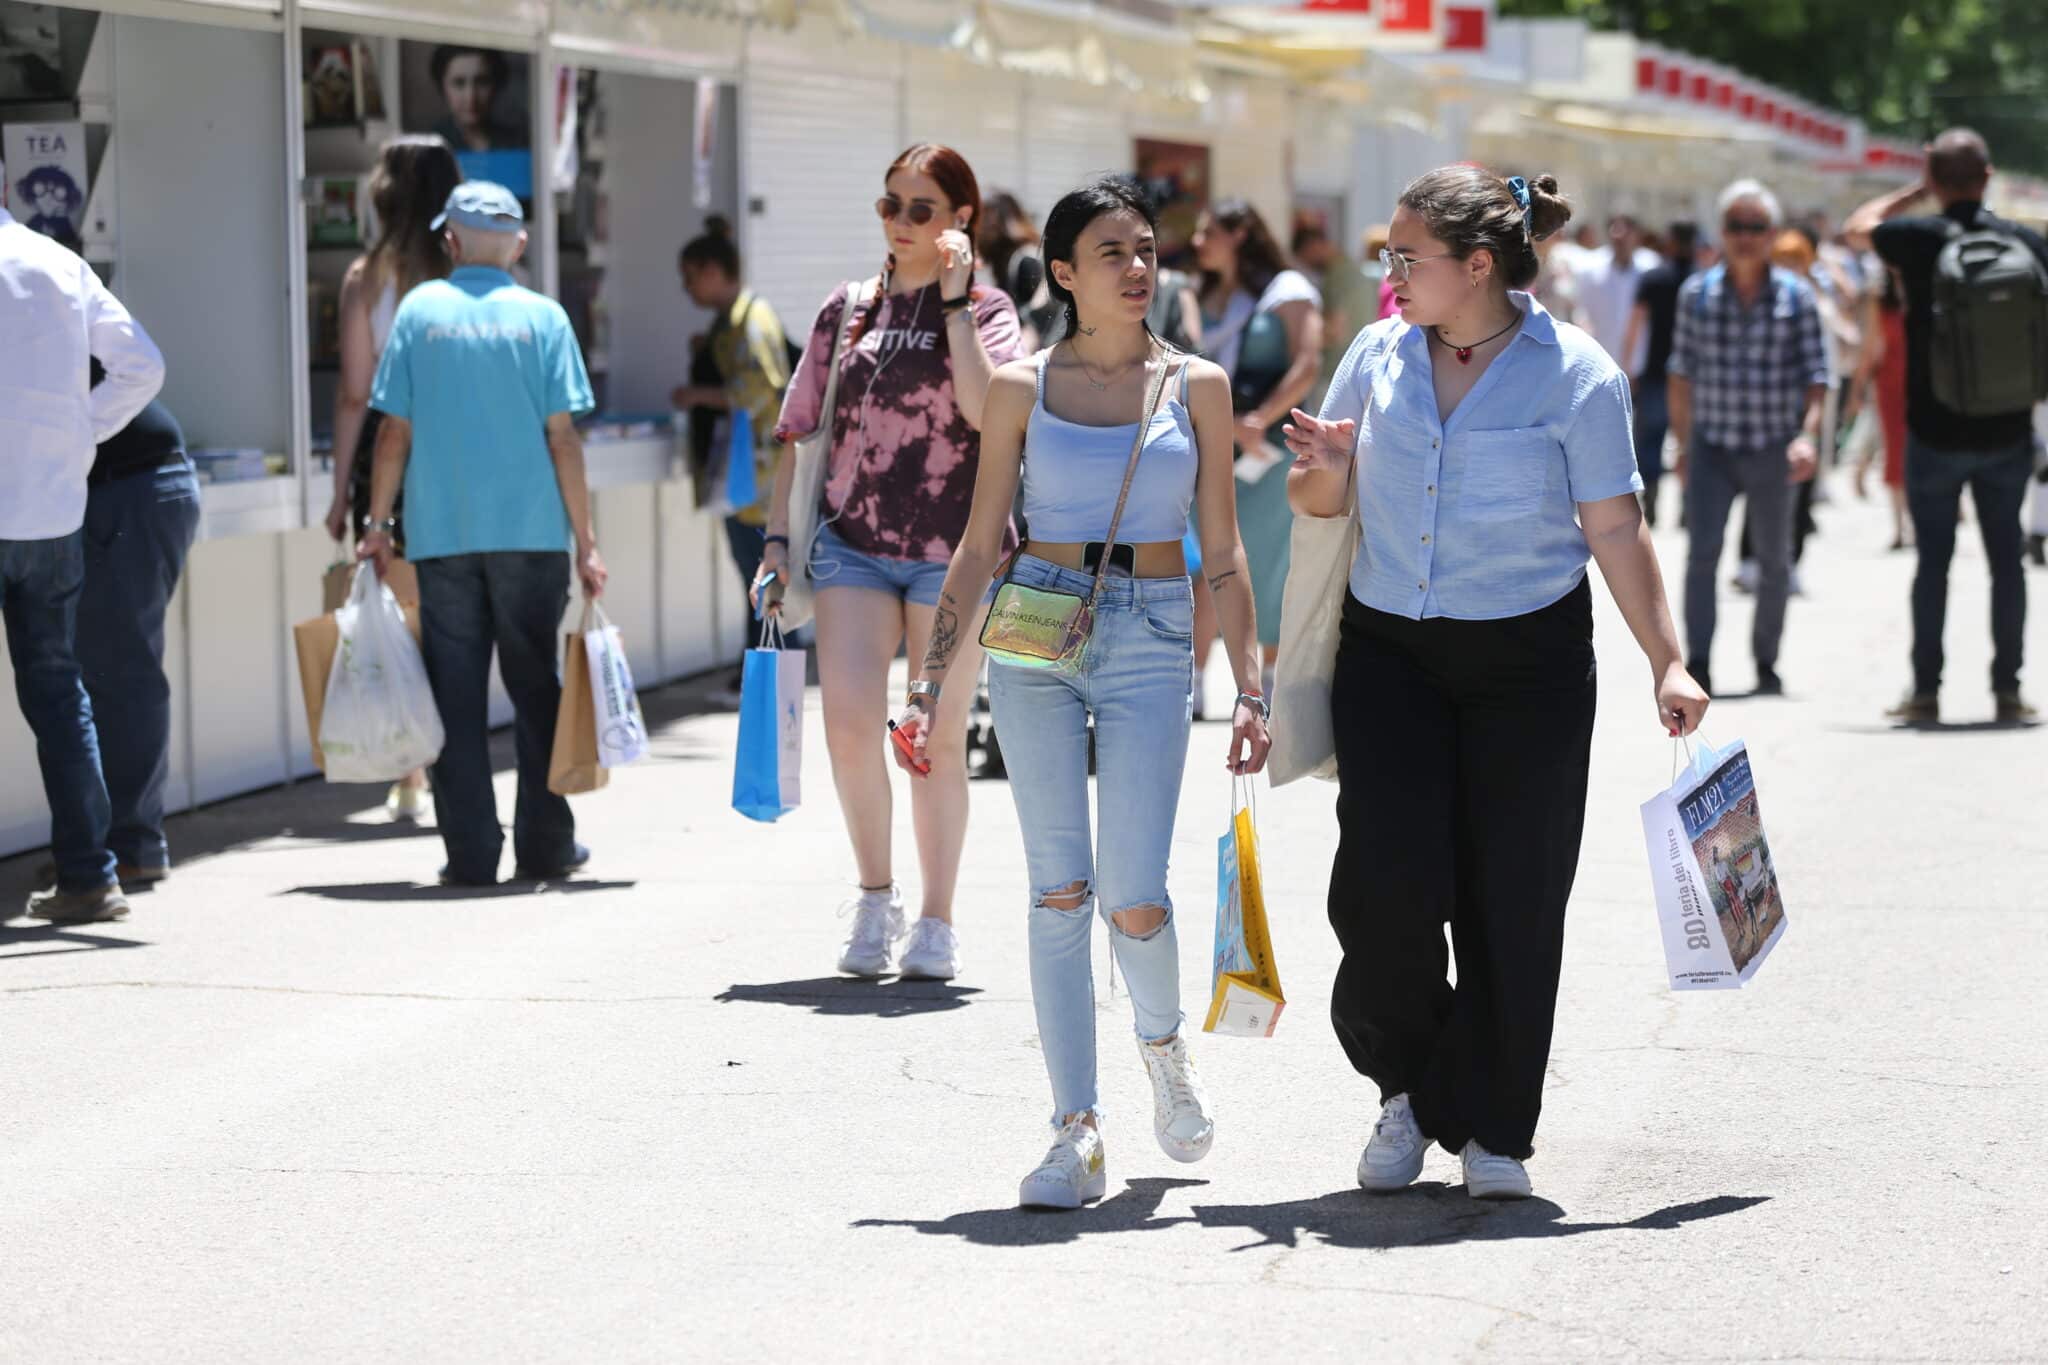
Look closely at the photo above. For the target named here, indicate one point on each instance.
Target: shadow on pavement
(1435, 1214)
(315, 810)
(1959, 727)
(1134, 1208)
(1427, 1214)
(432, 891)
(73, 935)
(845, 995)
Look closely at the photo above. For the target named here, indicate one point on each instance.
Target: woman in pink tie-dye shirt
(906, 441)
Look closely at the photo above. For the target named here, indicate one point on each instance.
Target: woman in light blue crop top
(1064, 424)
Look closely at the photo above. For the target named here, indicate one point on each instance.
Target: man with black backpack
(1976, 364)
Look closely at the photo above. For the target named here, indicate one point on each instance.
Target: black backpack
(1988, 351)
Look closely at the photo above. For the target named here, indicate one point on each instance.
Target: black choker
(1464, 353)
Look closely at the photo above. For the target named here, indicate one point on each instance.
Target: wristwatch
(925, 691)
(388, 525)
(1257, 701)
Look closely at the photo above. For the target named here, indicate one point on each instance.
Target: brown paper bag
(316, 641)
(401, 578)
(573, 768)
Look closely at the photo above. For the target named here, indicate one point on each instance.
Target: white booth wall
(199, 159)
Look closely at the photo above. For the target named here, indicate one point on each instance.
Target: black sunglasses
(888, 208)
(1746, 227)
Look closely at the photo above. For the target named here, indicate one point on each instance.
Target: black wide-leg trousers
(1463, 750)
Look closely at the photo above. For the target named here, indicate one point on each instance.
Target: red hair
(955, 178)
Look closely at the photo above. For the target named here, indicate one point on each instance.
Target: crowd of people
(1060, 454)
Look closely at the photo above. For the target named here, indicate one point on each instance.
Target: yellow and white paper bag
(1245, 995)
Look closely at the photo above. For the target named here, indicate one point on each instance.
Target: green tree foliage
(1907, 68)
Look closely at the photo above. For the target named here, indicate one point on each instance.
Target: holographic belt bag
(1032, 627)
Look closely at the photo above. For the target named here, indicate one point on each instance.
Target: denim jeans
(1997, 480)
(1716, 477)
(511, 600)
(138, 530)
(1137, 682)
(39, 586)
(1653, 423)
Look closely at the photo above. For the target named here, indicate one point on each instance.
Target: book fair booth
(211, 158)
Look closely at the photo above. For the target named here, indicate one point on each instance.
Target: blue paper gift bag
(742, 486)
(768, 767)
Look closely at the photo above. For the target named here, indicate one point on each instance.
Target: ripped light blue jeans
(1136, 682)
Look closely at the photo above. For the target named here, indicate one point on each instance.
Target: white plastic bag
(621, 733)
(379, 722)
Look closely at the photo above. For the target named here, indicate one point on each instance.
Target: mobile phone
(903, 743)
(1124, 557)
(771, 593)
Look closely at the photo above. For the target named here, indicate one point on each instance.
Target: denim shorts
(835, 564)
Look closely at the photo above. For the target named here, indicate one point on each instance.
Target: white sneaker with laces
(1180, 1108)
(1393, 1156)
(932, 954)
(1073, 1172)
(877, 924)
(1489, 1176)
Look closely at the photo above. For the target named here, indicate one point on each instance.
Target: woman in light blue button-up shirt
(1485, 448)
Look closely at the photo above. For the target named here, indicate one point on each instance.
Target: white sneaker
(933, 953)
(1798, 584)
(1180, 1107)
(1748, 576)
(1393, 1157)
(1073, 1172)
(1488, 1176)
(877, 924)
(405, 803)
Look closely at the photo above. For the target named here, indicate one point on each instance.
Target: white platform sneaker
(1489, 1175)
(1073, 1173)
(1180, 1107)
(877, 924)
(932, 954)
(1393, 1156)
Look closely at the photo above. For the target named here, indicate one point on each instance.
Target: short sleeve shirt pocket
(1507, 472)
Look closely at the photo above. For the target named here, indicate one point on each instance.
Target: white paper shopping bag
(621, 733)
(1718, 903)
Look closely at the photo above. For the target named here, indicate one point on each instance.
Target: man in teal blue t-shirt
(480, 386)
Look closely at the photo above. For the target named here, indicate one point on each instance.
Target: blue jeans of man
(1716, 477)
(470, 604)
(1137, 682)
(138, 530)
(1997, 480)
(39, 587)
(1653, 422)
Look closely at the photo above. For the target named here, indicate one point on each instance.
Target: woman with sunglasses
(1079, 411)
(913, 382)
(1487, 449)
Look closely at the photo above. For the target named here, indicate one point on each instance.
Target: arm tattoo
(1216, 583)
(945, 638)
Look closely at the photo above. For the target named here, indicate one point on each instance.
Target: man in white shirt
(59, 318)
(1606, 292)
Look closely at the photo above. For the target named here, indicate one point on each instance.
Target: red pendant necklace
(1464, 353)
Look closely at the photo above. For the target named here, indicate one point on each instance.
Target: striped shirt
(1750, 365)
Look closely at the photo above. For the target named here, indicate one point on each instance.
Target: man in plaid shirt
(1748, 374)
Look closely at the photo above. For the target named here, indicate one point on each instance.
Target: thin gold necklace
(1088, 371)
